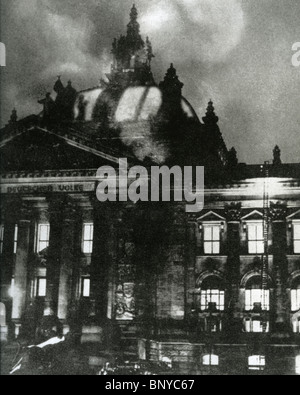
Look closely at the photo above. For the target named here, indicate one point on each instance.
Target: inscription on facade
(43, 189)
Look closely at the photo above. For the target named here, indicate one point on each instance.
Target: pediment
(295, 216)
(36, 149)
(211, 216)
(253, 216)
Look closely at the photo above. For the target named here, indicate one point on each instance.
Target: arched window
(257, 362)
(295, 295)
(212, 295)
(210, 360)
(255, 296)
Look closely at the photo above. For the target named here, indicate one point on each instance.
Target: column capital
(278, 212)
(233, 212)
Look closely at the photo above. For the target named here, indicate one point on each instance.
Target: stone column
(278, 213)
(233, 215)
(22, 256)
(99, 269)
(191, 261)
(54, 253)
(7, 258)
(68, 261)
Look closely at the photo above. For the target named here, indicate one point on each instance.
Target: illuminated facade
(217, 292)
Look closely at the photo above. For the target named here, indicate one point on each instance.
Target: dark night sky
(237, 52)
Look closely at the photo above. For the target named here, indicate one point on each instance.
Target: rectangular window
(296, 238)
(86, 287)
(295, 299)
(41, 287)
(256, 239)
(213, 296)
(87, 238)
(256, 326)
(298, 364)
(257, 362)
(212, 239)
(16, 239)
(210, 360)
(43, 237)
(1, 238)
(296, 326)
(257, 296)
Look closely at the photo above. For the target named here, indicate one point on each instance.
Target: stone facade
(206, 291)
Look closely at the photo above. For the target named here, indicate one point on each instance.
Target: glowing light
(138, 103)
(274, 186)
(210, 360)
(89, 99)
(257, 362)
(298, 364)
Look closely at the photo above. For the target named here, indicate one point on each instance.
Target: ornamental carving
(278, 211)
(233, 212)
(125, 302)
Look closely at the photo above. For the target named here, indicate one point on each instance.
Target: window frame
(82, 288)
(208, 295)
(251, 321)
(39, 240)
(212, 242)
(295, 306)
(250, 306)
(38, 286)
(2, 230)
(257, 367)
(256, 241)
(297, 365)
(90, 240)
(16, 234)
(210, 358)
(294, 240)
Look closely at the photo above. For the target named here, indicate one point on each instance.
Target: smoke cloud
(235, 52)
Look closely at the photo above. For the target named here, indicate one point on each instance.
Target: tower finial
(277, 156)
(210, 117)
(133, 27)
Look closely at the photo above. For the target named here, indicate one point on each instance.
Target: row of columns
(63, 256)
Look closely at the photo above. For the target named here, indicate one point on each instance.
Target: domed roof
(137, 103)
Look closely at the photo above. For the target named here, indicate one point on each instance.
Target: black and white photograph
(150, 190)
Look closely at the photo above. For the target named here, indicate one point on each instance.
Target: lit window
(211, 239)
(256, 296)
(16, 239)
(295, 298)
(43, 237)
(296, 325)
(256, 326)
(210, 360)
(41, 287)
(88, 236)
(256, 239)
(296, 237)
(11, 292)
(1, 238)
(257, 362)
(212, 293)
(86, 287)
(298, 364)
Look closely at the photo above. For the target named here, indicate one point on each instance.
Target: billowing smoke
(236, 52)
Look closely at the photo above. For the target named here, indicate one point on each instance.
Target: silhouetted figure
(49, 107)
